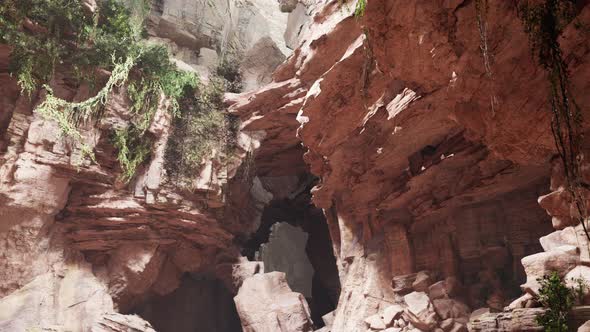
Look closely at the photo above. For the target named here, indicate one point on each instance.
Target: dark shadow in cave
(298, 211)
(199, 304)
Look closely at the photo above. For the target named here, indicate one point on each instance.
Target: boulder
(422, 281)
(443, 288)
(391, 313)
(375, 322)
(266, 303)
(566, 236)
(402, 284)
(584, 327)
(561, 260)
(417, 302)
(285, 252)
(520, 302)
(558, 205)
(449, 308)
(424, 321)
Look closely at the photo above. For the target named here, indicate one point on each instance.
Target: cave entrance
(294, 238)
(200, 304)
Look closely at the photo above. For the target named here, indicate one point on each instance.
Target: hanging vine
(544, 22)
(481, 9)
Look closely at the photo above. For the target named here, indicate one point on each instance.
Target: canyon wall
(79, 245)
(431, 156)
(426, 157)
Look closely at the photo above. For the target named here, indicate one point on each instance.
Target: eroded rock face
(201, 33)
(285, 252)
(70, 299)
(425, 162)
(266, 303)
(135, 240)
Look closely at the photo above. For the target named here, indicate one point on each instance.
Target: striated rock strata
(426, 160)
(434, 167)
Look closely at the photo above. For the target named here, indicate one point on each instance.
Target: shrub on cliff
(558, 299)
(49, 34)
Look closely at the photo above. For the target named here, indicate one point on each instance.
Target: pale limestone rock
(259, 62)
(329, 319)
(71, 300)
(115, 322)
(375, 322)
(561, 260)
(566, 236)
(479, 312)
(296, 22)
(584, 327)
(266, 303)
(391, 313)
(515, 320)
(132, 271)
(244, 270)
(417, 302)
(520, 302)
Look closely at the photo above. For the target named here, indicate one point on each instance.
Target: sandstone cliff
(410, 147)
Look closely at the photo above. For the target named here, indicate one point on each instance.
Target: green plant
(361, 6)
(133, 149)
(229, 71)
(112, 40)
(200, 128)
(544, 22)
(580, 288)
(558, 299)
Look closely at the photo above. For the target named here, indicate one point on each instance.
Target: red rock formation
(426, 160)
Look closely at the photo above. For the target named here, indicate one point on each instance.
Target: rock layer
(426, 159)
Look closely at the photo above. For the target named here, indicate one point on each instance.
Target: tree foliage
(46, 34)
(558, 299)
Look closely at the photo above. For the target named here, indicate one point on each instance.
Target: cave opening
(294, 238)
(201, 303)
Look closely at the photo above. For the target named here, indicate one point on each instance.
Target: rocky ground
(424, 173)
